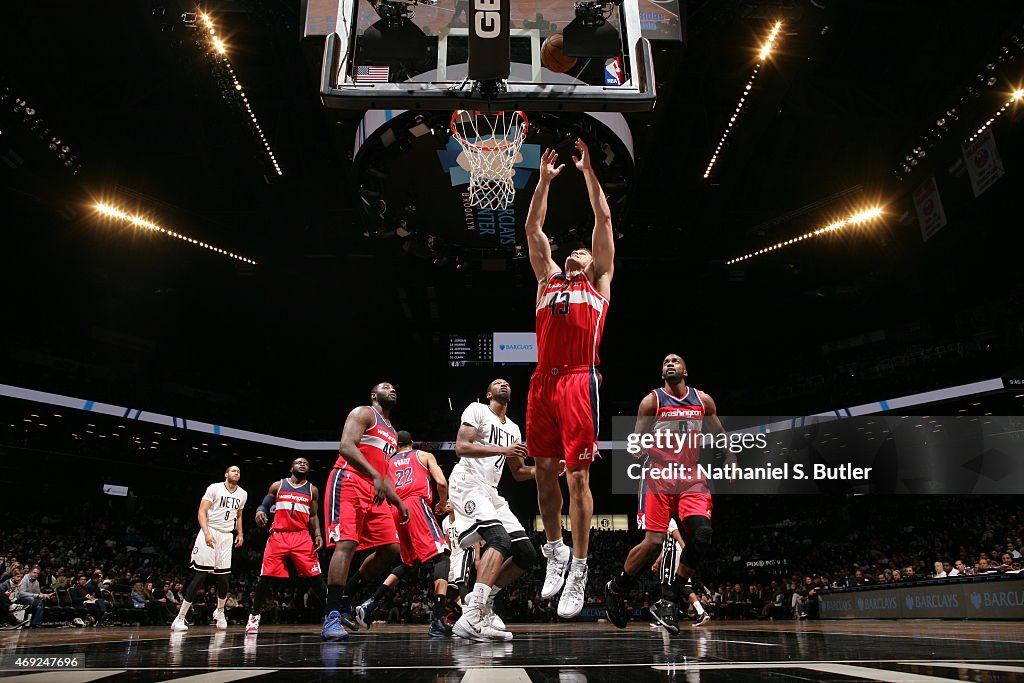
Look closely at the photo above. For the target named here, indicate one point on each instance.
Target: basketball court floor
(569, 653)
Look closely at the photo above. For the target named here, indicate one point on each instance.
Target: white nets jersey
(490, 431)
(226, 506)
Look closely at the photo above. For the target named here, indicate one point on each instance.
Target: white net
(491, 143)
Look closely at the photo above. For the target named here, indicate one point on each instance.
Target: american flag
(372, 74)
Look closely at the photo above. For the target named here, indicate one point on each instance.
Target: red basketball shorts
(294, 546)
(655, 509)
(562, 413)
(422, 538)
(350, 514)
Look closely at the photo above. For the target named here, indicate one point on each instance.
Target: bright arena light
(766, 51)
(218, 46)
(139, 221)
(857, 218)
(1015, 97)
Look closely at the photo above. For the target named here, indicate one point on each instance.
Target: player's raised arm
(603, 240)
(540, 249)
(437, 475)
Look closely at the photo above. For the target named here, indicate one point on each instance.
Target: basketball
(552, 57)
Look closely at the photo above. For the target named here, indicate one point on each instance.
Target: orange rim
(499, 148)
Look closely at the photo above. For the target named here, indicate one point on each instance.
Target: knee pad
(399, 570)
(441, 567)
(495, 537)
(523, 552)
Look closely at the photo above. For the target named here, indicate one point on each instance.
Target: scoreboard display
(470, 349)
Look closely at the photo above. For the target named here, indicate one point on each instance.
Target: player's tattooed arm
(466, 446)
(239, 538)
(204, 510)
(314, 519)
(261, 511)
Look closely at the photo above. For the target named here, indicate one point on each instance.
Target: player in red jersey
(356, 514)
(562, 408)
(680, 409)
(294, 537)
(422, 539)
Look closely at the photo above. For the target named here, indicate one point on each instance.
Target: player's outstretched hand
(548, 170)
(238, 541)
(261, 518)
(583, 160)
(208, 537)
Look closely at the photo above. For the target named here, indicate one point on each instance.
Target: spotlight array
(113, 212)
(1015, 97)
(766, 51)
(220, 49)
(988, 75)
(35, 124)
(860, 217)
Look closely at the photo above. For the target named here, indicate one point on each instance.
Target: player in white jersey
(487, 441)
(220, 513)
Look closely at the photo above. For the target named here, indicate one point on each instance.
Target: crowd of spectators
(118, 570)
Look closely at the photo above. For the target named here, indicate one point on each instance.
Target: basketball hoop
(491, 143)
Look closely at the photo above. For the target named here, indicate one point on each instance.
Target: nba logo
(613, 71)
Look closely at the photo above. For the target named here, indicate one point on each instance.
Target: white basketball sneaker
(253, 625)
(496, 622)
(220, 619)
(571, 603)
(558, 563)
(179, 624)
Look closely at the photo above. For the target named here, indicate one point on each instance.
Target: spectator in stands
(82, 598)
(1014, 553)
(983, 566)
(961, 568)
(1007, 563)
(908, 574)
(31, 595)
(138, 596)
(897, 576)
(948, 568)
(940, 573)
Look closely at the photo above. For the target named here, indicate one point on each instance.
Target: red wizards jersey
(377, 444)
(684, 418)
(570, 320)
(410, 477)
(291, 507)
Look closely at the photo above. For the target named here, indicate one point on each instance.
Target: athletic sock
(490, 598)
(481, 591)
(577, 562)
(623, 583)
(183, 610)
(437, 609)
(699, 607)
(670, 591)
(220, 603)
(381, 590)
(555, 546)
(335, 598)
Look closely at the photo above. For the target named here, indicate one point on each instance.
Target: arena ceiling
(326, 311)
